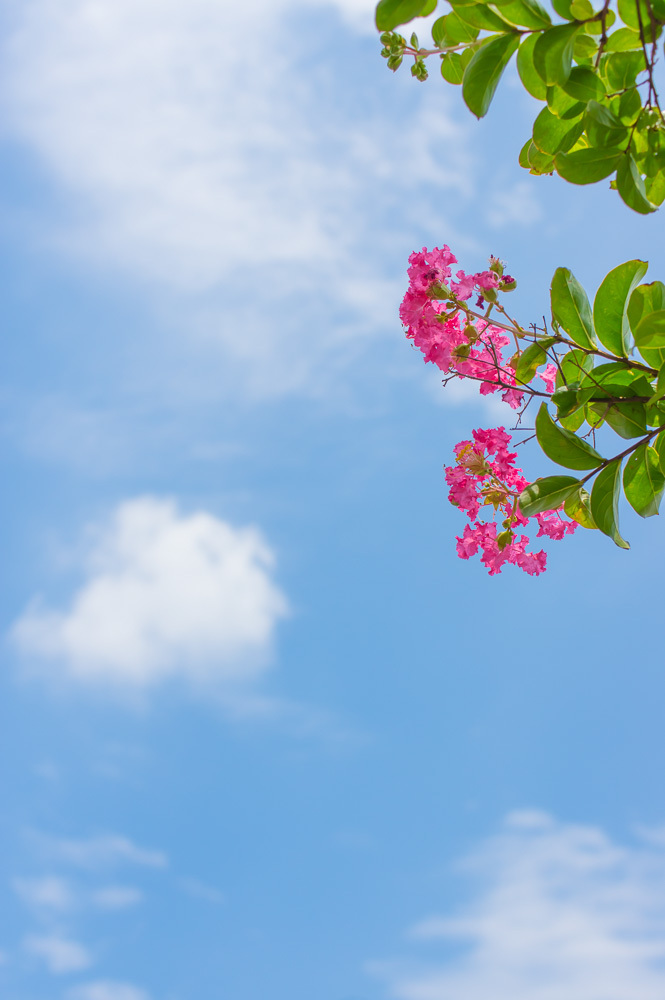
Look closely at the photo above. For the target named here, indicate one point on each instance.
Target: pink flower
(485, 477)
(548, 376)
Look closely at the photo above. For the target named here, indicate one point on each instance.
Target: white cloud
(211, 160)
(165, 595)
(48, 894)
(59, 954)
(116, 897)
(94, 853)
(107, 989)
(201, 890)
(560, 911)
(516, 206)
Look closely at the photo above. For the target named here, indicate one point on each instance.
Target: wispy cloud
(232, 179)
(98, 853)
(165, 594)
(559, 911)
(59, 954)
(107, 989)
(48, 894)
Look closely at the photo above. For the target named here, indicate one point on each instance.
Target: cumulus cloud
(165, 595)
(559, 911)
(59, 954)
(107, 989)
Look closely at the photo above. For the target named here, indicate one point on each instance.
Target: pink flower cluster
(477, 481)
(443, 332)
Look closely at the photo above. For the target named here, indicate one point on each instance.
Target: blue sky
(264, 735)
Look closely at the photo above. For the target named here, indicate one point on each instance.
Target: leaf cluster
(611, 373)
(592, 69)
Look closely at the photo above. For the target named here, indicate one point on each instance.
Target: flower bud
(508, 284)
(496, 266)
(504, 539)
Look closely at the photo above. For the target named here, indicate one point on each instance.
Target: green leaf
(631, 186)
(650, 331)
(621, 69)
(623, 40)
(603, 128)
(481, 16)
(563, 105)
(562, 7)
(610, 307)
(525, 14)
(605, 502)
(451, 30)
(644, 481)
(532, 80)
(452, 68)
(586, 166)
(391, 13)
(553, 53)
(562, 446)
(565, 400)
(539, 163)
(578, 508)
(581, 10)
(628, 13)
(584, 85)
(552, 134)
(546, 494)
(627, 418)
(532, 358)
(573, 366)
(659, 444)
(571, 309)
(483, 73)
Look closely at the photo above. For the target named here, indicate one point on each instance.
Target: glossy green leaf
(532, 358)
(659, 444)
(629, 14)
(563, 105)
(605, 502)
(481, 16)
(562, 7)
(391, 13)
(552, 134)
(546, 494)
(650, 331)
(586, 166)
(531, 79)
(644, 481)
(571, 309)
(578, 508)
(553, 53)
(584, 85)
(623, 40)
(610, 307)
(573, 366)
(603, 128)
(539, 163)
(621, 69)
(645, 299)
(631, 186)
(452, 68)
(562, 446)
(581, 9)
(626, 418)
(451, 30)
(483, 73)
(525, 14)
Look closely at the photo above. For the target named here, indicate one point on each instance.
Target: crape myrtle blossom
(445, 335)
(478, 481)
(437, 319)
